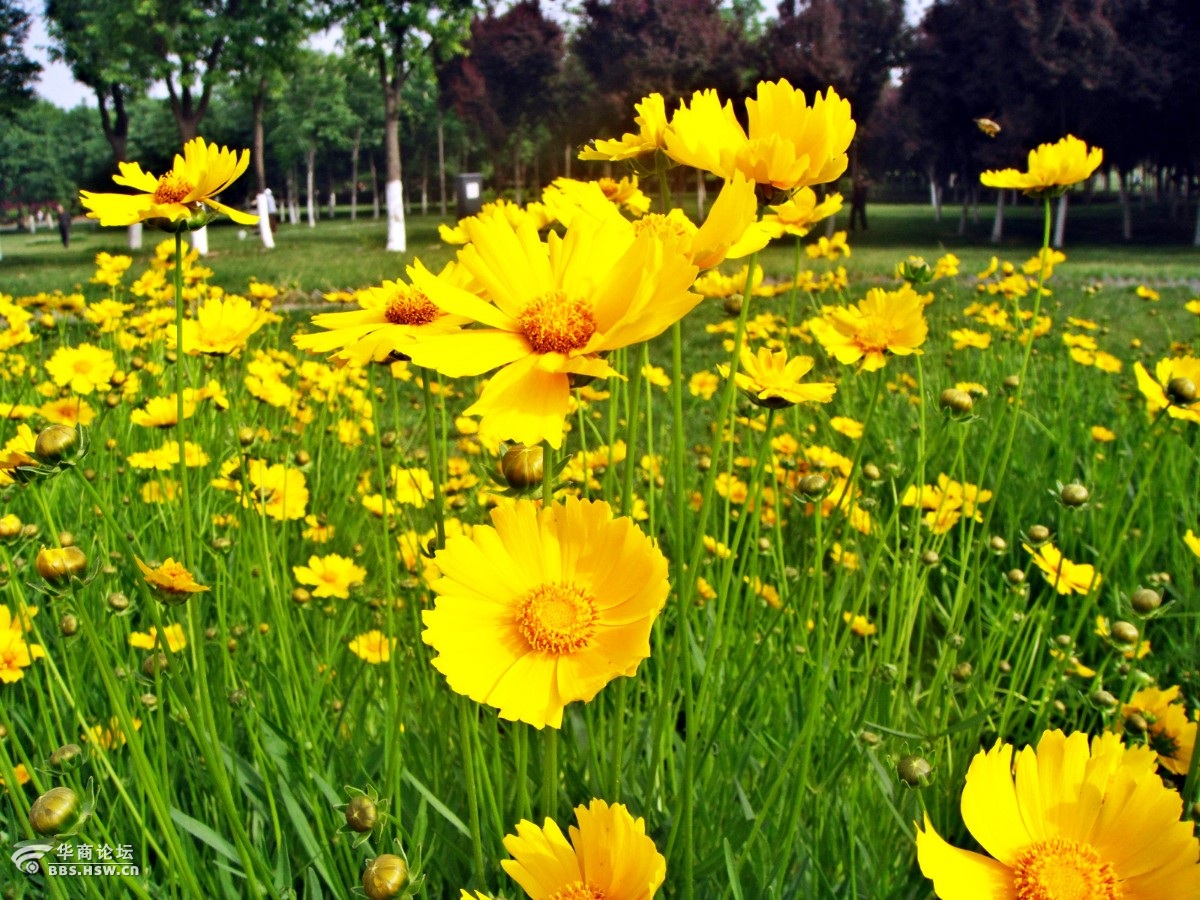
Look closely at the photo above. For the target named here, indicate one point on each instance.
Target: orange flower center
(578, 890)
(662, 226)
(410, 308)
(1059, 869)
(171, 189)
(82, 366)
(556, 324)
(558, 618)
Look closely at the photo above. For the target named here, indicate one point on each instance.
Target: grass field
(844, 602)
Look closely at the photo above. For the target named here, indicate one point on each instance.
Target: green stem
(189, 553)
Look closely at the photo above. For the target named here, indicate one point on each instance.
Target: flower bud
(997, 544)
(930, 558)
(385, 876)
(1103, 699)
(55, 812)
(68, 625)
(1136, 723)
(300, 596)
(1038, 534)
(66, 757)
(118, 602)
(361, 814)
(10, 527)
(813, 485)
(246, 436)
(962, 671)
(302, 457)
(1012, 382)
(155, 663)
(1145, 601)
(1181, 391)
(55, 442)
(1073, 495)
(1015, 576)
(58, 564)
(522, 466)
(1124, 632)
(871, 472)
(914, 770)
(955, 401)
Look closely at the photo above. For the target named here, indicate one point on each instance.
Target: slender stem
(189, 552)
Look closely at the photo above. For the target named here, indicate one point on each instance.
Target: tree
(507, 79)
(632, 48)
(17, 70)
(392, 35)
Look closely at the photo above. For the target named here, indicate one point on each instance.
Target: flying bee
(988, 127)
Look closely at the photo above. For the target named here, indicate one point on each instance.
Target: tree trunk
(1196, 233)
(935, 198)
(425, 192)
(135, 236)
(292, 203)
(199, 239)
(1126, 208)
(116, 130)
(310, 161)
(263, 208)
(260, 162)
(998, 222)
(374, 189)
(397, 238)
(966, 209)
(354, 173)
(701, 194)
(1060, 222)
(441, 134)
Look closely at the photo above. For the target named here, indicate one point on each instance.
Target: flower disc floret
(558, 618)
(408, 306)
(558, 324)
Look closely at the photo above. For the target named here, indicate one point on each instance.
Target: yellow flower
(800, 213)
(17, 452)
(771, 380)
(883, 322)
(391, 317)
(109, 269)
(163, 412)
(789, 143)
(609, 856)
(1052, 169)
(965, 337)
(113, 736)
(166, 457)
(22, 774)
(1147, 293)
(829, 248)
(703, 385)
(851, 428)
(276, 491)
(83, 369)
(221, 326)
(1102, 435)
(651, 121)
(333, 575)
(1180, 372)
(1095, 824)
(171, 579)
(173, 635)
(544, 607)
(202, 172)
(556, 308)
(860, 625)
(1066, 576)
(1170, 734)
(15, 654)
(373, 647)
(1192, 541)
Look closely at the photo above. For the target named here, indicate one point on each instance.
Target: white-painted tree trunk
(397, 241)
(310, 165)
(1060, 223)
(199, 239)
(935, 199)
(135, 236)
(998, 222)
(1196, 234)
(332, 204)
(264, 221)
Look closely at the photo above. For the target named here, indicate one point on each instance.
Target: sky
(58, 86)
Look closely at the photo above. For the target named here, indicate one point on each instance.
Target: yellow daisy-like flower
(1102, 435)
(391, 317)
(1192, 541)
(609, 857)
(772, 380)
(173, 636)
(373, 647)
(544, 607)
(1052, 169)
(789, 143)
(113, 736)
(1066, 576)
(1175, 381)
(221, 326)
(860, 625)
(652, 123)
(829, 248)
(800, 213)
(883, 322)
(1168, 733)
(15, 655)
(17, 452)
(1073, 823)
(277, 491)
(202, 172)
(83, 369)
(163, 412)
(332, 575)
(166, 457)
(171, 579)
(556, 308)
(965, 337)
